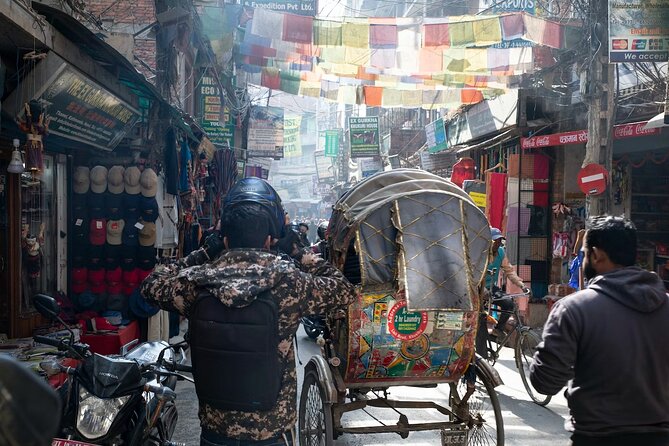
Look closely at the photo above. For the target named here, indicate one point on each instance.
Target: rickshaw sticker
(416, 348)
(406, 325)
(450, 320)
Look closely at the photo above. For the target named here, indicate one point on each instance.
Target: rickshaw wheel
(315, 415)
(485, 422)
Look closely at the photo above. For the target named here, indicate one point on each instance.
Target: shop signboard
(370, 166)
(638, 31)
(556, 139)
(331, 143)
(496, 6)
(324, 167)
(292, 145)
(265, 137)
(84, 111)
(634, 129)
(241, 168)
(621, 131)
(435, 134)
(299, 7)
(215, 119)
(364, 136)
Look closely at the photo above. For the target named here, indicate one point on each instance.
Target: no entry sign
(592, 179)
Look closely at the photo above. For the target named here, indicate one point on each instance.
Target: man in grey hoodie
(608, 342)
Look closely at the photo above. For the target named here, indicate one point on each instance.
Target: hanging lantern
(16, 164)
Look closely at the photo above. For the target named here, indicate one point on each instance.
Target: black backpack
(235, 356)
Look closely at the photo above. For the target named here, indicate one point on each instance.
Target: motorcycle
(314, 326)
(117, 399)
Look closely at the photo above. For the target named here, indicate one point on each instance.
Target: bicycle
(525, 345)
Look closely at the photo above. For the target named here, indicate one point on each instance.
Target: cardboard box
(112, 343)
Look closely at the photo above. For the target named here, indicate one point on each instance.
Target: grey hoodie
(610, 340)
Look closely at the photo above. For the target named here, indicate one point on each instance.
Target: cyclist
(497, 261)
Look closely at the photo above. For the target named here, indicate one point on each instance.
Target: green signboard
(364, 136)
(83, 111)
(215, 117)
(331, 143)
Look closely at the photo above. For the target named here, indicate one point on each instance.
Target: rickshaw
(417, 247)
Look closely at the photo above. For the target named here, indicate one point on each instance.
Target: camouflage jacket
(313, 286)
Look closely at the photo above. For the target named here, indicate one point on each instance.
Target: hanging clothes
(171, 162)
(574, 270)
(185, 157)
(167, 224)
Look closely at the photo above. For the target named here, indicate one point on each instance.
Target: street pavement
(525, 423)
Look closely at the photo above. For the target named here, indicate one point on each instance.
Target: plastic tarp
(417, 230)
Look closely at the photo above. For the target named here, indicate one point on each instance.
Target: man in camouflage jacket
(308, 285)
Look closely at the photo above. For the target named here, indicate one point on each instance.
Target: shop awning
(505, 136)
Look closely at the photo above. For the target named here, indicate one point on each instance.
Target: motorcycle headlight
(96, 415)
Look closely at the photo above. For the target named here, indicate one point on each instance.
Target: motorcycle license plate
(63, 442)
(454, 437)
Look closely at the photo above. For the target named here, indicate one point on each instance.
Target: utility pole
(600, 100)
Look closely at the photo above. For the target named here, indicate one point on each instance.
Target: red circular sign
(592, 179)
(406, 325)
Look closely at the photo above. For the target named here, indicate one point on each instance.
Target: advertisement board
(364, 136)
(638, 31)
(265, 137)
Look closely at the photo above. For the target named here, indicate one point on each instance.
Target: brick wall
(124, 11)
(129, 17)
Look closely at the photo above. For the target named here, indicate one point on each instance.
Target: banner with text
(364, 136)
(292, 144)
(638, 31)
(265, 137)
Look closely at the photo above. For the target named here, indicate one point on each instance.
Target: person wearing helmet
(303, 229)
(499, 261)
(244, 301)
(321, 245)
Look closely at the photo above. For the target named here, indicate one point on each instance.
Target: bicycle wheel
(482, 412)
(315, 416)
(526, 345)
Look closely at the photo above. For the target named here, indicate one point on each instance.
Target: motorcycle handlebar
(50, 341)
(162, 392)
(183, 368)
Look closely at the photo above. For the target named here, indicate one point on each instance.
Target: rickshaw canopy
(416, 230)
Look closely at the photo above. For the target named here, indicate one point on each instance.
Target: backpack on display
(235, 356)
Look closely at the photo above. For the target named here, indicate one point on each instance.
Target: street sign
(592, 179)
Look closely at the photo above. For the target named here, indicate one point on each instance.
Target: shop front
(640, 180)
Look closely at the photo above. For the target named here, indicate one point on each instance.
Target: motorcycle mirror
(25, 398)
(51, 367)
(49, 308)
(46, 306)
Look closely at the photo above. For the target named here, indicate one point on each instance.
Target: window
(38, 234)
